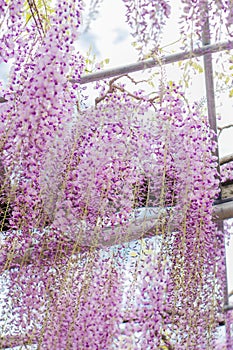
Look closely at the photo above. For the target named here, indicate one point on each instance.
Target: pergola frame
(223, 209)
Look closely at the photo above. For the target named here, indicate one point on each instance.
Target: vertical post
(209, 82)
(210, 95)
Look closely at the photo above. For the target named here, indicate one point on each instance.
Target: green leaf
(28, 17)
(133, 254)
(148, 251)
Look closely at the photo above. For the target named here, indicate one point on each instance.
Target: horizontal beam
(228, 307)
(226, 159)
(154, 62)
(144, 222)
(223, 211)
(150, 63)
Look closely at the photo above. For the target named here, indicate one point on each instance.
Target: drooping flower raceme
(115, 142)
(146, 19)
(72, 180)
(38, 115)
(195, 16)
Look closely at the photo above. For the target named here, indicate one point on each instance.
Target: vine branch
(113, 87)
(221, 128)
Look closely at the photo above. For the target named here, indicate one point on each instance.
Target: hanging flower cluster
(69, 306)
(196, 14)
(192, 247)
(227, 172)
(169, 286)
(180, 287)
(12, 27)
(146, 19)
(72, 183)
(38, 114)
(109, 161)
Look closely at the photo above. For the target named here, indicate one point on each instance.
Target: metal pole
(155, 62)
(210, 95)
